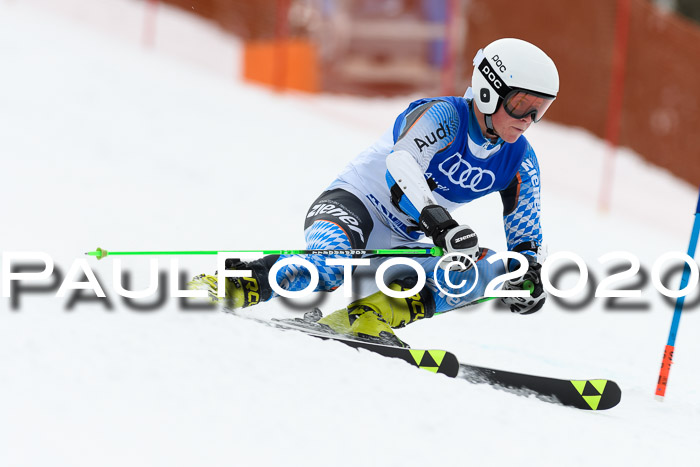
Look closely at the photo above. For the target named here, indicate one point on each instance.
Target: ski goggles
(521, 104)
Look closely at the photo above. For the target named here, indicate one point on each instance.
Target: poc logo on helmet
(499, 63)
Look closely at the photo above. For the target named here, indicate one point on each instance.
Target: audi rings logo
(461, 172)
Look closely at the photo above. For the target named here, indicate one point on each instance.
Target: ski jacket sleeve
(521, 207)
(424, 131)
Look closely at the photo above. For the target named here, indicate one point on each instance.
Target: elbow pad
(410, 191)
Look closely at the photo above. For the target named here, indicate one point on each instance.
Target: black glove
(531, 281)
(446, 233)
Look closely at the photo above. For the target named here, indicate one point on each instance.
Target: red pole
(448, 68)
(665, 370)
(148, 33)
(617, 90)
(281, 35)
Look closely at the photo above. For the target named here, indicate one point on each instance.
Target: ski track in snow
(104, 143)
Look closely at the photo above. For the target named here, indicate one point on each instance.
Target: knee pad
(323, 235)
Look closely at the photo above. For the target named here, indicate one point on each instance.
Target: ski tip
(659, 398)
(596, 394)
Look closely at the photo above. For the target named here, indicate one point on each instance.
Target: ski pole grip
(697, 209)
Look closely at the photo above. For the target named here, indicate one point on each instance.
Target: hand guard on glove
(530, 281)
(446, 233)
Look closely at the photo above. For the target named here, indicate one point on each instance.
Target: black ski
(592, 394)
(436, 361)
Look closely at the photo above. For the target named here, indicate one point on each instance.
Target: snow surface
(104, 143)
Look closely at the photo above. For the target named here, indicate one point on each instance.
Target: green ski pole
(100, 253)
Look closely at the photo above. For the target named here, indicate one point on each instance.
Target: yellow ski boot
(241, 292)
(374, 316)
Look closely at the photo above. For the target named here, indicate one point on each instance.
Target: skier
(441, 152)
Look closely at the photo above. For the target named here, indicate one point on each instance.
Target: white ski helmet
(516, 74)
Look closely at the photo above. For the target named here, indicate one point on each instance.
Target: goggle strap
(493, 78)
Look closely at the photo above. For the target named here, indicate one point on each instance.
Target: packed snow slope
(106, 144)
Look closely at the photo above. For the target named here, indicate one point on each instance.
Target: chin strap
(489, 122)
(489, 125)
